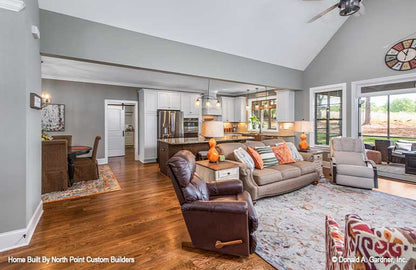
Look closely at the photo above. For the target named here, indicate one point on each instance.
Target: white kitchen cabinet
(188, 106)
(151, 98)
(240, 111)
(169, 100)
(234, 109)
(150, 140)
(227, 104)
(285, 104)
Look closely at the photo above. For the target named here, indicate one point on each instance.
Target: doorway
(121, 128)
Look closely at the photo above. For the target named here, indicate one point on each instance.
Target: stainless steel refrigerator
(170, 124)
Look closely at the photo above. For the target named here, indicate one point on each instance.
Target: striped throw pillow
(267, 155)
(241, 155)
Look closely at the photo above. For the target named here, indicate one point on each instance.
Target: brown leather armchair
(219, 215)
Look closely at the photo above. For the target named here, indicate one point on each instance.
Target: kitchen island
(168, 147)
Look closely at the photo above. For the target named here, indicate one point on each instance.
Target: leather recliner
(219, 215)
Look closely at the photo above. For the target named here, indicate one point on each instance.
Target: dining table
(73, 152)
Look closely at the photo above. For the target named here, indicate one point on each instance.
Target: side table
(410, 162)
(217, 171)
(317, 159)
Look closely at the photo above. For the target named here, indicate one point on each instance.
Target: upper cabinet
(169, 100)
(234, 109)
(240, 111)
(188, 105)
(285, 105)
(227, 104)
(151, 103)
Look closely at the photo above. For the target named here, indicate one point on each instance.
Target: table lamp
(212, 129)
(303, 127)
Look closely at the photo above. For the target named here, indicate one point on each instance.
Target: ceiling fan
(346, 8)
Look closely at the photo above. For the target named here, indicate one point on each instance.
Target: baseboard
(21, 237)
(102, 161)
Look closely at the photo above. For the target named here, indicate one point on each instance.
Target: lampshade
(303, 126)
(212, 129)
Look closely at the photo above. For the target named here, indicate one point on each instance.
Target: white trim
(16, 238)
(326, 88)
(102, 161)
(356, 93)
(14, 5)
(136, 123)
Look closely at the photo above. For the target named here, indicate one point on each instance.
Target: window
(328, 116)
(266, 111)
(388, 117)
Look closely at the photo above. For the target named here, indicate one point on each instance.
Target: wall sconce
(46, 99)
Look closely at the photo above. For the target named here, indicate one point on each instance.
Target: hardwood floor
(143, 220)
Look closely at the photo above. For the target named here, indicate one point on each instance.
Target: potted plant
(254, 121)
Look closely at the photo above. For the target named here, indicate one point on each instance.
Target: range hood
(213, 109)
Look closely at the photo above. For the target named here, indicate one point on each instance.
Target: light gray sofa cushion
(351, 158)
(305, 166)
(272, 142)
(227, 149)
(254, 144)
(266, 176)
(287, 171)
(351, 170)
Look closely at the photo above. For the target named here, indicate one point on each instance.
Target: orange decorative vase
(303, 144)
(213, 154)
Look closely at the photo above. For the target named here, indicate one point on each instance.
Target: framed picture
(35, 101)
(53, 117)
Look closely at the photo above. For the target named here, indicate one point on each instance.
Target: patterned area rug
(396, 171)
(106, 183)
(291, 233)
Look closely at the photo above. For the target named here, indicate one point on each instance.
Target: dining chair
(67, 138)
(54, 166)
(87, 168)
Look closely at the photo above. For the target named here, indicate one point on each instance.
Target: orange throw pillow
(283, 154)
(258, 161)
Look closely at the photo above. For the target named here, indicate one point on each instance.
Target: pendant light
(267, 99)
(247, 106)
(349, 7)
(257, 104)
(208, 102)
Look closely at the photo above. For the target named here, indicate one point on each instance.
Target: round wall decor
(402, 56)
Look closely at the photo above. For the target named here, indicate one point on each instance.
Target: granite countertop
(203, 140)
(269, 133)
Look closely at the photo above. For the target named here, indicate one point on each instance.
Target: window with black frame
(328, 116)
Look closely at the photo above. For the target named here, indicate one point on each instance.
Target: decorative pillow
(295, 153)
(267, 156)
(258, 162)
(403, 146)
(283, 154)
(241, 155)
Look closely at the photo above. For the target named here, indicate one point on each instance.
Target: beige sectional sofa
(274, 180)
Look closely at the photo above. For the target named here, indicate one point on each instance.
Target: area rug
(291, 233)
(106, 183)
(396, 171)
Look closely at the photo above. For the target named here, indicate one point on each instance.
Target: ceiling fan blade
(323, 13)
(361, 12)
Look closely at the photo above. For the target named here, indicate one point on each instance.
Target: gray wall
(20, 184)
(63, 35)
(356, 52)
(84, 108)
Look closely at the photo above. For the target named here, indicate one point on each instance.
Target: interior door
(116, 127)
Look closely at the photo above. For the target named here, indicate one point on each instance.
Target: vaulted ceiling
(272, 31)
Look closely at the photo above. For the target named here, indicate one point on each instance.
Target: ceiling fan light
(349, 7)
